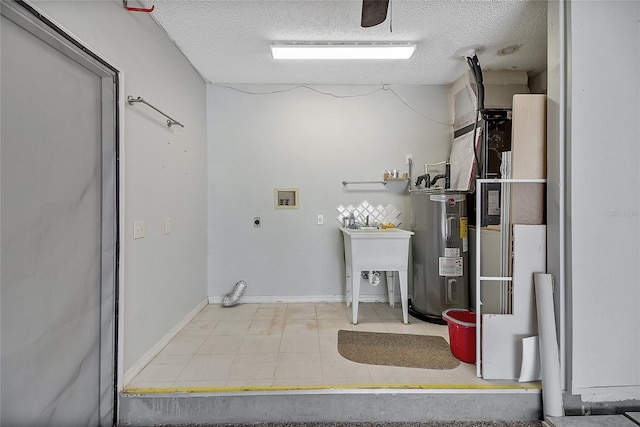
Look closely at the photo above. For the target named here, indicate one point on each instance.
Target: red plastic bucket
(462, 333)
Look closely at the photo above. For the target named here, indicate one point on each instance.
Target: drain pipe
(410, 164)
(549, 358)
(372, 276)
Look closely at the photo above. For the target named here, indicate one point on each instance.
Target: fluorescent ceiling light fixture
(343, 51)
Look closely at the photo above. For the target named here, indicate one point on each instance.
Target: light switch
(320, 219)
(167, 225)
(138, 229)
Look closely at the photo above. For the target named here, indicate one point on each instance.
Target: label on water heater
(464, 233)
(464, 227)
(493, 206)
(450, 266)
(451, 252)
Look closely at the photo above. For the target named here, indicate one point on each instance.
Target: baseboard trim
(269, 299)
(139, 365)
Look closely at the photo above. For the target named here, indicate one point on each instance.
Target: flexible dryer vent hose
(234, 297)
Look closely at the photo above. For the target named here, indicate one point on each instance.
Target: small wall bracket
(137, 9)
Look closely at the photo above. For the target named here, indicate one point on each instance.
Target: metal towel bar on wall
(364, 182)
(170, 121)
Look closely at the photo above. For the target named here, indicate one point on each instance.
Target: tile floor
(286, 345)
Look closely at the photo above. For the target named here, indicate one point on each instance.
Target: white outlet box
(320, 219)
(138, 229)
(408, 158)
(167, 225)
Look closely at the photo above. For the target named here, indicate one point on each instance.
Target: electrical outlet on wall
(167, 225)
(138, 229)
(409, 158)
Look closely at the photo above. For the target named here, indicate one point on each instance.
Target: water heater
(440, 248)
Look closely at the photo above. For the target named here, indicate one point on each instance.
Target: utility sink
(373, 230)
(372, 249)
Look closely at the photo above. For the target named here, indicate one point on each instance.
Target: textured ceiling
(228, 41)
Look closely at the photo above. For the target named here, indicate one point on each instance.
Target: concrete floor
(631, 419)
(433, 424)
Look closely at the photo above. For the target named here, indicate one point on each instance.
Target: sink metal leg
(403, 295)
(355, 294)
(391, 288)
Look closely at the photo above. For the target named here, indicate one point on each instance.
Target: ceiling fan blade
(374, 12)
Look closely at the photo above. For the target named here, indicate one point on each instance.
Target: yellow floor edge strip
(166, 390)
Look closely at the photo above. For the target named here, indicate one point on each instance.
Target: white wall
(164, 168)
(604, 201)
(312, 141)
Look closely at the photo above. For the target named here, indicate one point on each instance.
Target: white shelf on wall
(523, 247)
(497, 336)
(385, 180)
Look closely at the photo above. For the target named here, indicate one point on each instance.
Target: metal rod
(512, 180)
(364, 182)
(170, 120)
(477, 284)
